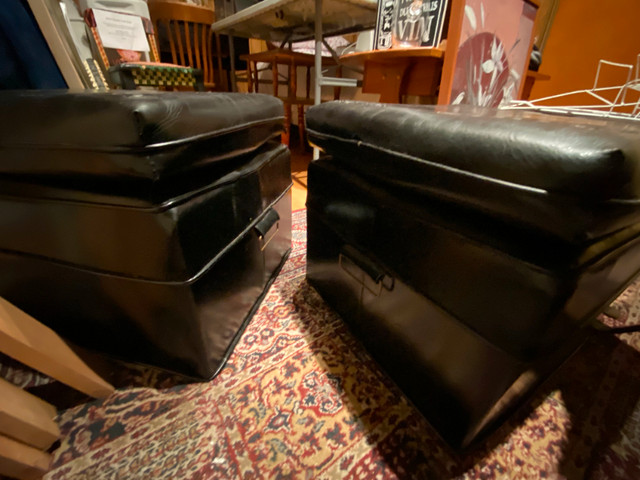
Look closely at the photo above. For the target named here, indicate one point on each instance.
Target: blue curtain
(25, 59)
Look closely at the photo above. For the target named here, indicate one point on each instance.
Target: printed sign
(419, 22)
(409, 23)
(120, 30)
(384, 25)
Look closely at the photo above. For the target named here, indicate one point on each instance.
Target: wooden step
(26, 418)
(18, 460)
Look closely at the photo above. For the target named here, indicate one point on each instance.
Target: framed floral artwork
(488, 49)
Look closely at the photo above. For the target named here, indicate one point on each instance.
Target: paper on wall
(120, 30)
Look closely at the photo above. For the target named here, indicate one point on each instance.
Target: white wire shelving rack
(605, 101)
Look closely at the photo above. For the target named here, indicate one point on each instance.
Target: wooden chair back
(188, 28)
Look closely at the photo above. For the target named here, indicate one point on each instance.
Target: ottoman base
(463, 384)
(465, 329)
(187, 327)
(470, 249)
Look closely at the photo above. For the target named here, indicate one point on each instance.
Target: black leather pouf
(468, 249)
(147, 225)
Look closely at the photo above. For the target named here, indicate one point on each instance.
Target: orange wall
(583, 32)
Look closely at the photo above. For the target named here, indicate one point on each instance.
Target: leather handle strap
(267, 227)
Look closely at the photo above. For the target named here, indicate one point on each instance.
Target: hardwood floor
(299, 163)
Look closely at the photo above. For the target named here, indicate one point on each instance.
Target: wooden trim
(456, 17)
(249, 78)
(172, 43)
(275, 80)
(222, 83)
(187, 37)
(292, 88)
(155, 54)
(536, 20)
(176, 29)
(391, 55)
(544, 21)
(185, 12)
(296, 100)
(197, 53)
(27, 418)
(286, 57)
(25, 339)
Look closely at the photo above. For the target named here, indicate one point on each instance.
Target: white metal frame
(236, 25)
(619, 107)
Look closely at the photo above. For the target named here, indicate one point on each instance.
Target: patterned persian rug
(301, 399)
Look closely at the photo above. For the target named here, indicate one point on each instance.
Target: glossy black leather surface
(172, 241)
(523, 297)
(144, 225)
(466, 295)
(450, 373)
(574, 179)
(187, 327)
(127, 147)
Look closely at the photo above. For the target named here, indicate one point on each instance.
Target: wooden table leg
(249, 77)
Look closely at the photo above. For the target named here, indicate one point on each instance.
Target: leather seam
(150, 146)
(440, 166)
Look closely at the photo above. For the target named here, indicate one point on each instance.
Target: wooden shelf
(391, 55)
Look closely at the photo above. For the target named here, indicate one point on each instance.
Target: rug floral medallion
(300, 398)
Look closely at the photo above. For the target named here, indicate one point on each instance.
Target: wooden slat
(274, 77)
(196, 49)
(189, 30)
(175, 24)
(25, 339)
(249, 77)
(207, 53)
(292, 89)
(187, 37)
(456, 17)
(174, 55)
(222, 83)
(18, 460)
(27, 418)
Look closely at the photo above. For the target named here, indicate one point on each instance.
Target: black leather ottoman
(145, 225)
(468, 250)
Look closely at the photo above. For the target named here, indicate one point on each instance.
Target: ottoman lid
(573, 177)
(128, 142)
(127, 119)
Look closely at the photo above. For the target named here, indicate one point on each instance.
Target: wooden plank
(27, 418)
(24, 338)
(389, 56)
(456, 16)
(21, 461)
